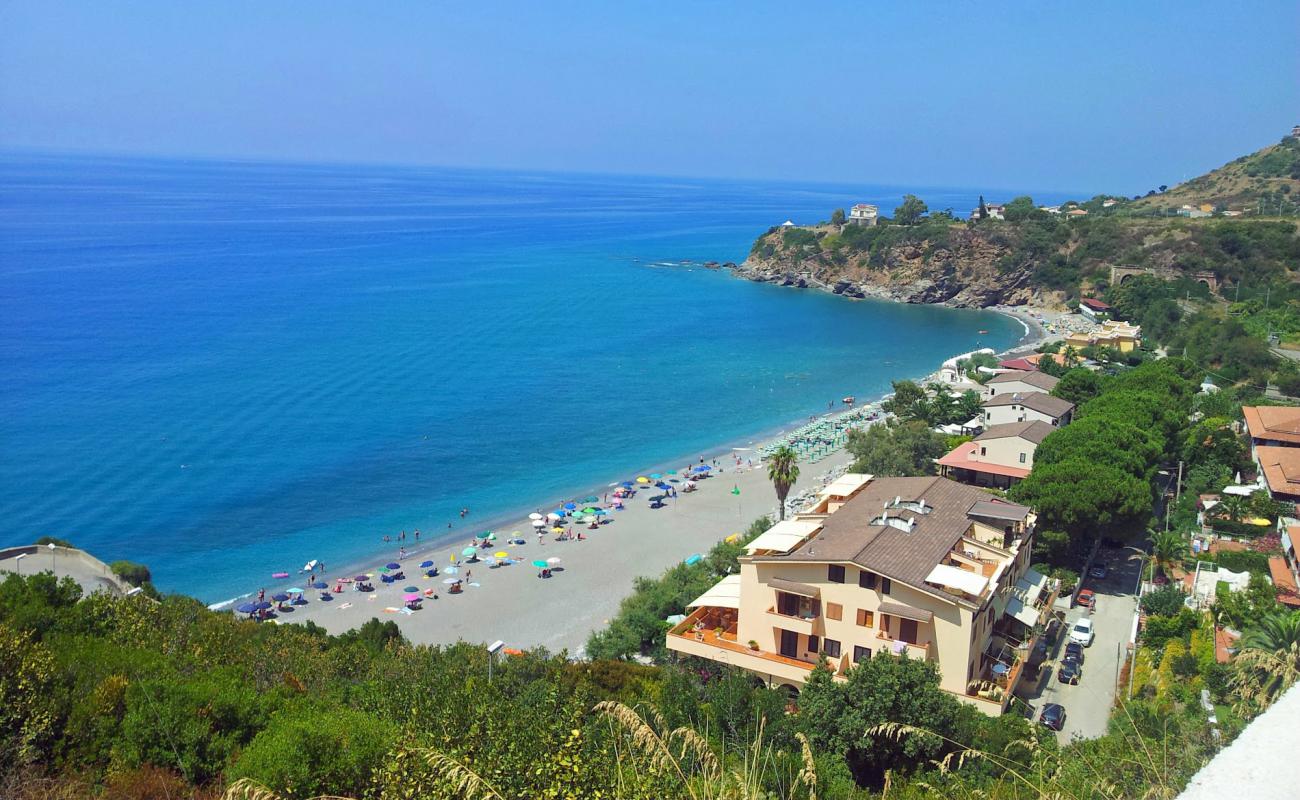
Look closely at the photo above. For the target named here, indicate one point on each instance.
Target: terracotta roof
(1223, 639)
(1094, 304)
(852, 534)
(1039, 380)
(1279, 423)
(965, 456)
(1283, 581)
(1022, 364)
(1035, 431)
(1281, 466)
(1038, 401)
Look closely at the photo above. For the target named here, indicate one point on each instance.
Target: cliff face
(962, 267)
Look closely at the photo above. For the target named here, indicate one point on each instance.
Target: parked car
(1097, 571)
(1073, 652)
(1086, 599)
(1082, 632)
(1069, 672)
(1053, 716)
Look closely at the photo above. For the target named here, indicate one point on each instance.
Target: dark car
(1097, 571)
(1053, 716)
(1073, 652)
(1069, 672)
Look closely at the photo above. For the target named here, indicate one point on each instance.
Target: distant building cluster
(1118, 335)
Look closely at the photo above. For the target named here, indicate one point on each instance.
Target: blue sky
(1091, 96)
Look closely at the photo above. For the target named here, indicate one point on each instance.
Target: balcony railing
(802, 623)
(919, 650)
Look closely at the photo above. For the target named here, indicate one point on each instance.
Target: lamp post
(53, 566)
(18, 563)
(492, 651)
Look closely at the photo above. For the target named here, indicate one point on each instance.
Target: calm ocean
(223, 370)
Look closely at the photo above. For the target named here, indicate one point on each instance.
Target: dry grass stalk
(464, 781)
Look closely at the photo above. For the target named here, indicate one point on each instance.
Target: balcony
(889, 644)
(806, 624)
(692, 636)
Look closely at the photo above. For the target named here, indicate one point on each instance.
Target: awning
(996, 509)
(791, 587)
(906, 612)
(784, 536)
(845, 485)
(1017, 609)
(971, 583)
(1024, 597)
(723, 594)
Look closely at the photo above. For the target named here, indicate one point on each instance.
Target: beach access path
(512, 604)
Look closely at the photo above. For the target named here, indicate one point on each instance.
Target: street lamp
(492, 651)
(18, 563)
(53, 568)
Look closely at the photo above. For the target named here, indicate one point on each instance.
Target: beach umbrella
(552, 517)
(600, 512)
(320, 585)
(537, 523)
(452, 580)
(626, 484)
(672, 472)
(703, 468)
(553, 560)
(654, 476)
(534, 515)
(591, 498)
(426, 564)
(247, 608)
(294, 590)
(557, 529)
(263, 606)
(642, 479)
(483, 535)
(468, 551)
(409, 596)
(411, 589)
(452, 570)
(501, 554)
(361, 578)
(590, 510)
(662, 485)
(491, 537)
(393, 565)
(539, 564)
(280, 598)
(570, 506)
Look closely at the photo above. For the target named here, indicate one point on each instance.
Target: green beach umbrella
(484, 535)
(468, 551)
(539, 564)
(589, 511)
(411, 589)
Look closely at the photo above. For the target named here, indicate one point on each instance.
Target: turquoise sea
(226, 369)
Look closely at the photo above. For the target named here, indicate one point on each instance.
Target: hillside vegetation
(1266, 182)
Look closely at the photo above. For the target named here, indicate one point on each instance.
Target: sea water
(224, 370)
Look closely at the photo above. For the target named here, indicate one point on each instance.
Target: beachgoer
(401, 553)
(417, 535)
(261, 595)
(387, 538)
(467, 574)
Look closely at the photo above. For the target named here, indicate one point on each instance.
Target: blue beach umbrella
(280, 598)
(393, 565)
(426, 564)
(702, 468)
(655, 476)
(411, 589)
(570, 506)
(559, 512)
(262, 606)
(361, 578)
(247, 608)
(320, 585)
(627, 484)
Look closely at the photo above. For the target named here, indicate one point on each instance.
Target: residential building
(1193, 212)
(1108, 202)
(994, 210)
(864, 214)
(1112, 333)
(999, 457)
(1050, 209)
(1272, 426)
(1022, 381)
(1076, 212)
(1094, 309)
(919, 567)
(1027, 407)
(1021, 364)
(1280, 467)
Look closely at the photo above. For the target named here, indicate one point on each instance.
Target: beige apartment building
(923, 567)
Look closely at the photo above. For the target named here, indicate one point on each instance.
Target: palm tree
(1234, 506)
(1268, 662)
(1166, 548)
(783, 469)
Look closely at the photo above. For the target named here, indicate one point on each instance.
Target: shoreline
(524, 611)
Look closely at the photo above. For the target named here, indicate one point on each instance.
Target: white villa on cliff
(864, 214)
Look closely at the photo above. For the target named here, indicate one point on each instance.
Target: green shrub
(1165, 601)
(1243, 561)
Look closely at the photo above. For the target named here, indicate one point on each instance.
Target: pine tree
(984, 210)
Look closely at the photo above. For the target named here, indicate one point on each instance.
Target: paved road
(1088, 705)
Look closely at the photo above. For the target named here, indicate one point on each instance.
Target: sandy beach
(513, 604)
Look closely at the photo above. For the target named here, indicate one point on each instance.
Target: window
(812, 644)
(861, 653)
(835, 573)
(885, 585)
(867, 580)
(1022, 458)
(831, 648)
(866, 619)
(834, 611)
(984, 451)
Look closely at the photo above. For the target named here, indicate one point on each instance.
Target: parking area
(1088, 704)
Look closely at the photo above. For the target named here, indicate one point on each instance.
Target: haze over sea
(226, 369)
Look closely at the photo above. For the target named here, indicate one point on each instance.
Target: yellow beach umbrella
(642, 479)
(501, 554)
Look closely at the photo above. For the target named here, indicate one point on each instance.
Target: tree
(984, 210)
(896, 449)
(783, 470)
(839, 717)
(1021, 209)
(911, 211)
(1084, 498)
(1232, 506)
(1268, 662)
(908, 401)
(1163, 188)
(1167, 548)
(1212, 440)
(837, 216)
(1078, 386)
(1165, 601)
(1238, 609)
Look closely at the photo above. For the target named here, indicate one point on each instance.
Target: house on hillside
(864, 214)
(1114, 334)
(1280, 467)
(1000, 457)
(1027, 407)
(1022, 364)
(1193, 212)
(1094, 309)
(995, 211)
(1272, 426)
(924, 567)
(1019, 381)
